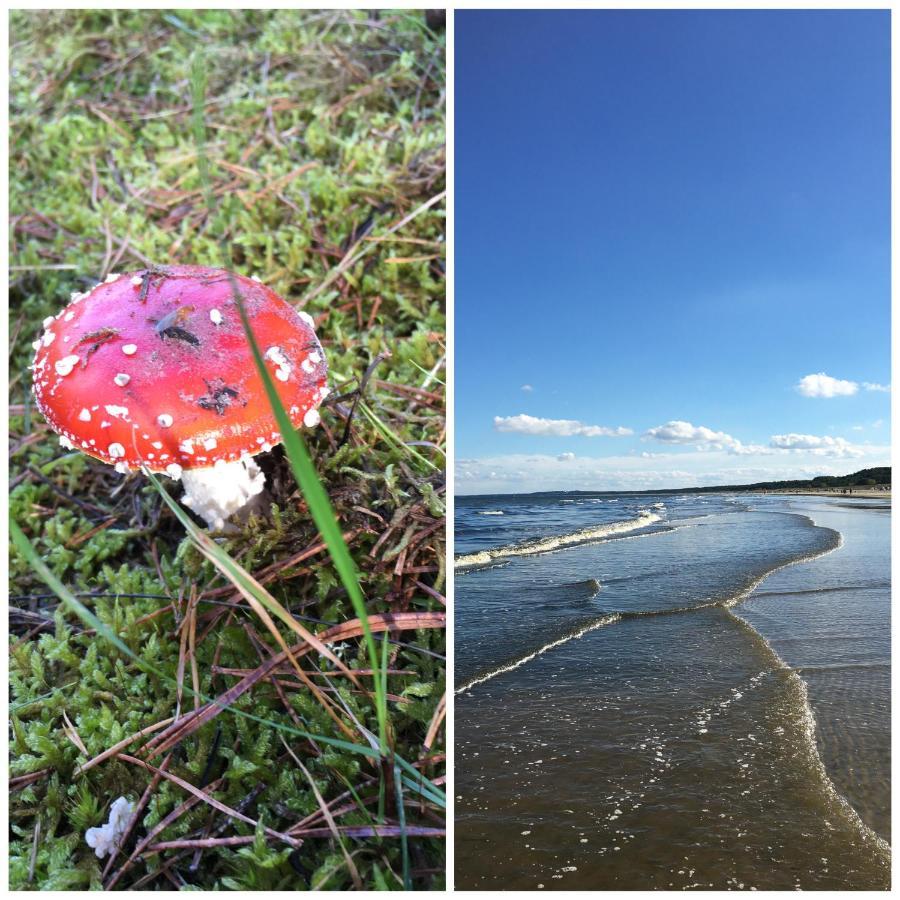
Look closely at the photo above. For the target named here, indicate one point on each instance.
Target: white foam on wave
(509, 667)
(558, 542)
(491, 512)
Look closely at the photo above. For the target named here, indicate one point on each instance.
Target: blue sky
(665, 223)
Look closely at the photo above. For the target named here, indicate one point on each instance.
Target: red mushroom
(153, 370)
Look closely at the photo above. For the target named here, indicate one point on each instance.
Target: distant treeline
(863, 478)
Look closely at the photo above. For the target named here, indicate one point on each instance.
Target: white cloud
(818, 446)
(527, 388)
(884, 388)
(822, 385)
(679, 432)
(566, 457)
(525, 424)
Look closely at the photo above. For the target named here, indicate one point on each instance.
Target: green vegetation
(863, 478)
(309, 145)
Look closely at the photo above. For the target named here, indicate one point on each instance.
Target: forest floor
(323, 146)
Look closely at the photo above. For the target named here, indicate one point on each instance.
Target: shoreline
(843, 493)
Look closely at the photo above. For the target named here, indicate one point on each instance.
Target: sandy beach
(880, 491)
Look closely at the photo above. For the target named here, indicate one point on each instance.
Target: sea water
(673, 691)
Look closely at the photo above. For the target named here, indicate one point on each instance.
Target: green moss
(336, 121)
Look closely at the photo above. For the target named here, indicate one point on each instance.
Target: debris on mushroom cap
(171, 367)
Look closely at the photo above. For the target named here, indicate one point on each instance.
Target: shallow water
(659, 732)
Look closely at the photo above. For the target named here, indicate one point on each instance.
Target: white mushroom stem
(218, 492)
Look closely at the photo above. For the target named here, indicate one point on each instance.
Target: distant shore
(881, 491)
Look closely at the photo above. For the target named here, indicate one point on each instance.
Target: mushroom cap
(162, 376)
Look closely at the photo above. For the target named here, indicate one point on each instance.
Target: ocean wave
(836, 542)
(557, 542)
(490, 512)
(514, 664)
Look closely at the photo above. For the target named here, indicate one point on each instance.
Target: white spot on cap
(209, 444)
(129, 349)
(122, 379)
(164, 420)
(315, 358)
(36, 345)
(48, 321)
(173, 470)
(117, 412)
(306, 317)
(105, 424)
(215, 317)
(276, 354)
(324, 392)
(311, 418)
(65, 443)
(113, 276)
(122, 468)
(266, 447)
(49, 337)
(68, 316)
(116, 451)
(256, 278)
(157, 445)
(85, 415)
(136, 280)
(65, 365)
(308, 366)
(187, 447)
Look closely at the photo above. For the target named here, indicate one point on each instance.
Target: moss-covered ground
(323, 132)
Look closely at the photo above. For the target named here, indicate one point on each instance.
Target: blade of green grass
(322, 512)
